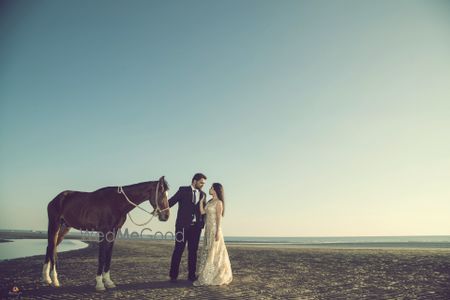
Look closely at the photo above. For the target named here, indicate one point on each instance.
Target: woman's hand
(217, 237)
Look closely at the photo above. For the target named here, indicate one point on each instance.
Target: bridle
(155, 211)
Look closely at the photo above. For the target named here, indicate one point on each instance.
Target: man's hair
(199, 176)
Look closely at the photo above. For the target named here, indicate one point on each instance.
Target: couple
(194, 213)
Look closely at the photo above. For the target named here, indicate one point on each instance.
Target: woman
(215, 267)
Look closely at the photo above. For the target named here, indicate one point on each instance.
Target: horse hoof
(100, 287)
(46, 281)
(107, 281)
(56, 284)
(110, 285)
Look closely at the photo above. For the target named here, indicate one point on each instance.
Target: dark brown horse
(104, 211)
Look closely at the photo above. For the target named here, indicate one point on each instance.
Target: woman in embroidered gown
(215, 267)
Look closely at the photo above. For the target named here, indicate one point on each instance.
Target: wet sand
(140, 270)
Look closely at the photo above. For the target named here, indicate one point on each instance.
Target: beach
(140, 270)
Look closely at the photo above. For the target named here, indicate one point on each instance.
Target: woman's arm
(219, 209)
(202, 206)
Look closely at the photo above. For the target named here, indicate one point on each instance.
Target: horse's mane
(165, 184)
(134, 185)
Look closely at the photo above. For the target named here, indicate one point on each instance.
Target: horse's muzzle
(163, 216)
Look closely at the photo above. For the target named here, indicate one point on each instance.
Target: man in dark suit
(188, 226)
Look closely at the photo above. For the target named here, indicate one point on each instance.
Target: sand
(140, 270)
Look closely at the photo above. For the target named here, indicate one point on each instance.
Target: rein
(156, 211)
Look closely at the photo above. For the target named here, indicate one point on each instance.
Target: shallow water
(29, 247)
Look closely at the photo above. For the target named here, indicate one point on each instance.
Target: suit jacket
(186, 207)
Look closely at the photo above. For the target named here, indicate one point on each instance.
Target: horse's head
(160, 199)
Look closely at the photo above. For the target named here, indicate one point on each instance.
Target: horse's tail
(54, 212)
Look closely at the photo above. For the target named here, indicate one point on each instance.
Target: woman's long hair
(220, 194)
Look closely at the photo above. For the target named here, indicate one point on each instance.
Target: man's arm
(175, 198)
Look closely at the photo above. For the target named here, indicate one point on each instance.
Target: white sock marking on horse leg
(107, 279)
(46, 273)
(99, 283)
(55, 277)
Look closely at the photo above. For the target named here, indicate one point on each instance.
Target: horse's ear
(163, 182)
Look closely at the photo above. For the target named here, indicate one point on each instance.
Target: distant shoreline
(440, 242)
(368, 246)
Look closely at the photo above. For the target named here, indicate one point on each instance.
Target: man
(188, 226)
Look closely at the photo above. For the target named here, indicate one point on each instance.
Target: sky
(320, 118)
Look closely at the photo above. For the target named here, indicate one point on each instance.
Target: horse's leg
(101, 262)
(62, 232)
(50, 256)
(46, 268)
(111, 237)
(53, 260)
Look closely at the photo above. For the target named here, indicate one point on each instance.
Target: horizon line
(272, 236)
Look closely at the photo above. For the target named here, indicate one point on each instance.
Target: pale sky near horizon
(320, 118)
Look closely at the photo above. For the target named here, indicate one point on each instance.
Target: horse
(104, 211)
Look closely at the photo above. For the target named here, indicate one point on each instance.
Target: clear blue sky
(320, 118)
